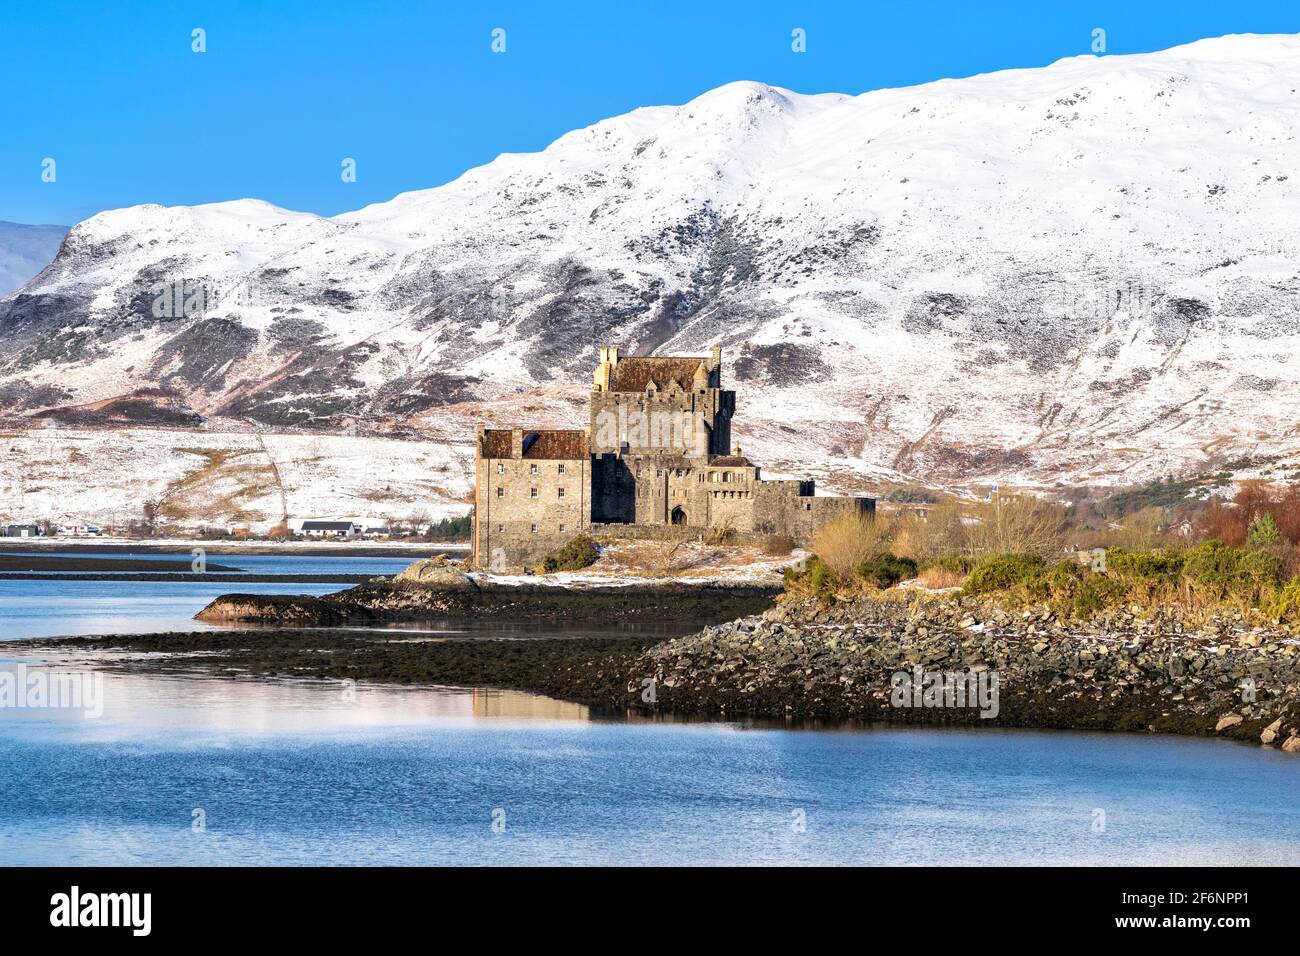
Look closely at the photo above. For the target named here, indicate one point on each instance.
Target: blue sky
(113, 92)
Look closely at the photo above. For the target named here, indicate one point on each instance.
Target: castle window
(561, 467)
(533, 528)
(501, 492)
(501, 527)
(532, 492)
(561, 529)
(561, 492)
(532, 469)
(501, 468)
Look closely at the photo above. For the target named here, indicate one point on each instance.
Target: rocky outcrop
(292, 609)
(449, 596)
(847, 660)
(437, 571)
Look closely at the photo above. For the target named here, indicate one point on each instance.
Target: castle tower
(664, 405)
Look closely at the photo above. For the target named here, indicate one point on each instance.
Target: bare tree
(1017, 524)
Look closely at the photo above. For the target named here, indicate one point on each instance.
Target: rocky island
(799, 660)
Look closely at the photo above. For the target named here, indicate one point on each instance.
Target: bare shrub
(846, 542)
(776, 545)
(1222, 522)
(938, 532)
(1017, 524)
(724, 532)
(660, 558)
(1229, 521)
(1143, 530)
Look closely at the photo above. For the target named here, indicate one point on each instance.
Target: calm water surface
(253, 563)
(67, 608)
(55, 608)
(287, 773)
(295, 773)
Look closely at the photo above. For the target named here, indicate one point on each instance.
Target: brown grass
(846, 542)
(936, 578)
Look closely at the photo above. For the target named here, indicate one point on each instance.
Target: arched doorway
(678, 516)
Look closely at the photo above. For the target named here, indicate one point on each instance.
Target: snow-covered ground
(197, 478)
(628, 563)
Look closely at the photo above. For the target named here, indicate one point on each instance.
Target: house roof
(632, 374)
(550, 444)
(327, 526)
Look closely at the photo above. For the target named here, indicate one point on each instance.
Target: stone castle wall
(657, 455)
(520, 514)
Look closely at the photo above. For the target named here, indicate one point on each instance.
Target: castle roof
(634, 373)
(730, 461)
(550, 444)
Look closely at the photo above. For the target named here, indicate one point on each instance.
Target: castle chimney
(715, 362)
(516, 443)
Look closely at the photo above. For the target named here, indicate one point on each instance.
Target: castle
(656, 454)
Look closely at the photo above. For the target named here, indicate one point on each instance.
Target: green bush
(1148, 565)
(452, 529)
(1096, 593)
(886, 570)
(1002, 572)
(822, 578)
(815, 573)
(1285, 605)
(1262, 532)
(579, 553)
(1232, 571)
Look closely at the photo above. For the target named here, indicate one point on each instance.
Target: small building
(21, 531)
(77, 529)
(331, 529)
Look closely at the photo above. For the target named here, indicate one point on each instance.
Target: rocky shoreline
(1127, 672)
(807, 661)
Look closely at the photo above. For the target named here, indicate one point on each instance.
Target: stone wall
(521, 515)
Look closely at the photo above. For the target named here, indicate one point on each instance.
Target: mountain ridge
(1082, 273)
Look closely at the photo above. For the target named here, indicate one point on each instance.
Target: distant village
(341, 529)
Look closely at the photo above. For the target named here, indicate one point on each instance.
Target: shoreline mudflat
(378, 602)
(807, 662)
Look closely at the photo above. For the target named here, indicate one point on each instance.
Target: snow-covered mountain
(1086, 272)
(26, 250)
